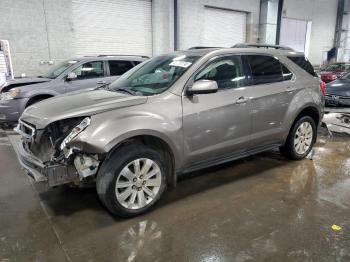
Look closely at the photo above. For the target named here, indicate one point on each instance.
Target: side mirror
(202, 87)
(71, 76)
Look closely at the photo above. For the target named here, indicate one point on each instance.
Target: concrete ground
(261, 208)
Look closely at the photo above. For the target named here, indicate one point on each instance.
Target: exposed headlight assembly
(76, 131)
(13, 93)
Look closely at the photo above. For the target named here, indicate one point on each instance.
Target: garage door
(293, 33)
(112, 27)
(223, 27)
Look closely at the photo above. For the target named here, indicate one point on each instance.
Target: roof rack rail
(143, 56)
(203, 47)
(248, 45)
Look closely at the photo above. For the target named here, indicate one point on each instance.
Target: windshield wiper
(131, 92)
(104, 86)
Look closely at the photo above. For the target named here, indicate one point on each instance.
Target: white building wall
(191, 18)
(323, 15)
(163, 26)
(41, 30)
(37, 31)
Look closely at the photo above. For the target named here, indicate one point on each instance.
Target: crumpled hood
(22, 82)
(340, 87)
(76, 104)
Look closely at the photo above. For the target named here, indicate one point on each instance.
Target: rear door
(89, 75)
(270, 94)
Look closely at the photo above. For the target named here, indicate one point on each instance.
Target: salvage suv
(172, 114)
(68, 76)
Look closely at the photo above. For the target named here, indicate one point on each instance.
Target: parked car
(71, 75)
(172, 114)
(334, 71)
(338, 92)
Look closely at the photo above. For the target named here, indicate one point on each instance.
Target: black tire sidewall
(112, 167)
(290, 143)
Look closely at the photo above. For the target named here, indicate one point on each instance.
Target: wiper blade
(104, 86)
(131, 92)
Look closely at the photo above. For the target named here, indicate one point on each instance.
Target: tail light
(323, 88)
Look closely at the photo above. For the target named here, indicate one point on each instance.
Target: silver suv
(172, 114)
(68, 76)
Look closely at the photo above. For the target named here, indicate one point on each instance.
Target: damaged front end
(46, 155)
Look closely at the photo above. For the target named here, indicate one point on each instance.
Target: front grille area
(44, 143)
(338, 96)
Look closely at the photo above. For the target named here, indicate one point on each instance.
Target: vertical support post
(176, 46)
(279, 21)
(338, 26)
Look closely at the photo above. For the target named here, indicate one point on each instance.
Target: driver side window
(226, 71)
(89, 70)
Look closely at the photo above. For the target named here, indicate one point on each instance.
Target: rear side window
(302, 62)
(265, 69)
(117, 68)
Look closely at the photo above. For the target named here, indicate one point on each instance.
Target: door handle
(101, 82)
(242, 100)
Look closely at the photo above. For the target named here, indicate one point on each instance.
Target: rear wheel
(300, 139)
(132, 180)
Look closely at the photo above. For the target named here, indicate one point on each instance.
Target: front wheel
(132, 180)
(301, 139)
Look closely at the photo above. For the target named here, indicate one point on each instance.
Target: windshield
(338, 67)
(58, 69)
(155, 75)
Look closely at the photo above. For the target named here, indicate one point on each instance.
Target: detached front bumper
(53, 174)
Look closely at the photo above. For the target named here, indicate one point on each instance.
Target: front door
(89, 75)
(217, 124)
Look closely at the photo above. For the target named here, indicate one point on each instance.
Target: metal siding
(293, 33)
(112, 27)
(223, 27)
(3, 68)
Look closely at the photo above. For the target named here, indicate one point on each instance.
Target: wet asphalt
(261, 208)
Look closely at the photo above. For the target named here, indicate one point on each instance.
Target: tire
(297, 151)
(120, 169)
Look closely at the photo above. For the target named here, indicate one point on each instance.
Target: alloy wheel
(138, 183)
(303, 138)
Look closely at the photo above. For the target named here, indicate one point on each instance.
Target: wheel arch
(155, 141)
(311, 111)
(37, 97)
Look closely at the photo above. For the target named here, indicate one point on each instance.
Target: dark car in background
(334, 71)
(68, 76)
(338, 92)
